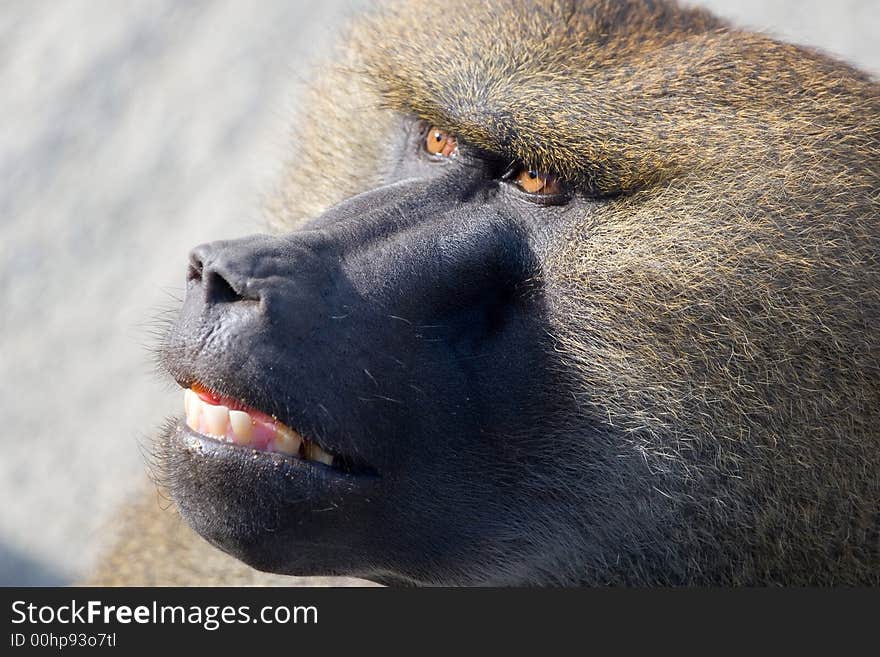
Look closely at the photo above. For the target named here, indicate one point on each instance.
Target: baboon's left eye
(536, 182)
(441, 143)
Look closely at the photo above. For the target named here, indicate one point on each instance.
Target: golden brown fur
(721, 313)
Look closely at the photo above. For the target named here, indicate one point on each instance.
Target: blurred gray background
(129, 132)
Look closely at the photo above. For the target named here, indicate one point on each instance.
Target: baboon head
(558, 292)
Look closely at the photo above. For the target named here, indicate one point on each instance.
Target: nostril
(205, 270)
(220, 275)
(219, 290)
(194, 272)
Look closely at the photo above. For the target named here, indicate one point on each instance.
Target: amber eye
(440, 142)
(535, 182)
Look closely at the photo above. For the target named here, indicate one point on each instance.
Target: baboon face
(572, 292)
(402, 334)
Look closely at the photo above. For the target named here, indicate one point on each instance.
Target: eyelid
(511, 170)
(516, 167)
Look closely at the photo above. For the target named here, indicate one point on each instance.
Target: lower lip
(252, 463)
(273, 512)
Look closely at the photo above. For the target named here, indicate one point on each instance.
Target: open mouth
(227, 420)
(260, 490)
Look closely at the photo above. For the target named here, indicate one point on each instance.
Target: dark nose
(222, 274)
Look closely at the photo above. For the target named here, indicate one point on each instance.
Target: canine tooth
(287, 440)
(192, 404)
(315, 453)
(242, 426)
(216, 418)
